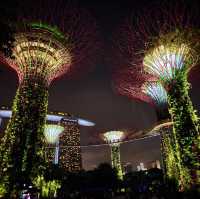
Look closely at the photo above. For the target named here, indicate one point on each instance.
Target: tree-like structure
(138, 85)
(170, 168)
(49, 42)
(167, 47)
(170, 59)
(113, 138)
(52, 133)
(156, 91)
(168, 142)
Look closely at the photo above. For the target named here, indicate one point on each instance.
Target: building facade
(69, 144)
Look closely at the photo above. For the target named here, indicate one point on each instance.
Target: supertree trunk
(171, 171)
(115, 158)
(185, 131)
(23, 143)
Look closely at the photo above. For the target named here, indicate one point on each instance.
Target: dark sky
(92, 97)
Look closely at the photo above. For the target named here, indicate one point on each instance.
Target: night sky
(92, 98)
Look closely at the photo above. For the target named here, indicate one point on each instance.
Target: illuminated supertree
(49, 42)
(170, 60)
(138, 85)
(156, 91)
(52, 133)
(167, 47)
(114, 138)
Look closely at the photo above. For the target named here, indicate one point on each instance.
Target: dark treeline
(103, 183)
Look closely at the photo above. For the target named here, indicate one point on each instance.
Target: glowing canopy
(164, 61)
(52, 132)
(38, 53)
(157, 92)
(113, 136)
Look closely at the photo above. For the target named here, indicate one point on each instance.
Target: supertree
(52, 38)
(170, 58)
(52, 133)
(164, 127)
(114, 138)
(167, 47)
(137, 85)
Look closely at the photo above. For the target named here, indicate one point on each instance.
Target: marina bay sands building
(70, 150)
(66, 150)
(63, 144)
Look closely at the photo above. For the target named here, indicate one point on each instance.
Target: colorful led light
(52, 132)
(166, 60)
(156, 91)
(114, 136)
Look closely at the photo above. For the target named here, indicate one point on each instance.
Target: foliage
(186, 130)
(171, 57)
(48, 188)
(115, 157)
(146, 183)
(22, 149)
(167, 148)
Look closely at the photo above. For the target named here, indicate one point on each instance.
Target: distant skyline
(134, 152)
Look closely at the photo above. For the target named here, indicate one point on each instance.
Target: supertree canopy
(156, 91)
(52, 133)
(37, 54)
(138, 85)
(113, 138)
(172, 55)
(51, 39)
(165, 43)
(129, 82)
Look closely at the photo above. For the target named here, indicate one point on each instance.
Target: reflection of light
(6, 114)
(164, 61)
(157, 92)
(113, 136)
(52, 118)
(52, 133)
(83, 122)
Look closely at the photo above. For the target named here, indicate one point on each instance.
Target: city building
(148, 165)
(69, 142)
(141, 167)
